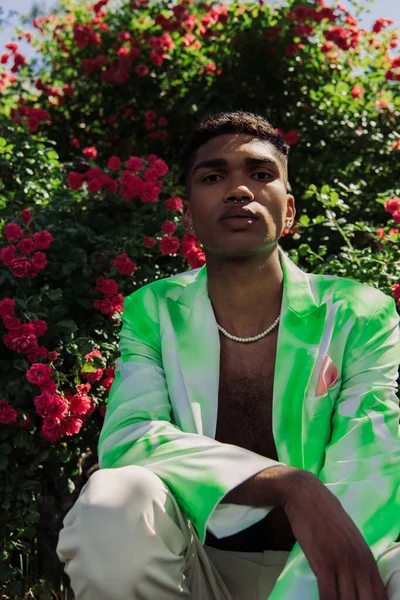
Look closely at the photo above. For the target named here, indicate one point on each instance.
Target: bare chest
(245, 394)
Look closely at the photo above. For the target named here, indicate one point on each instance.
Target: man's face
(213, 189)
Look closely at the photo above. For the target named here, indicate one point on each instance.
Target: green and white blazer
(162, 407)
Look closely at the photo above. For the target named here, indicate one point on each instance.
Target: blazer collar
(297, 293)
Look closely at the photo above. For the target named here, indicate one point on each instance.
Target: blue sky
(379, 8)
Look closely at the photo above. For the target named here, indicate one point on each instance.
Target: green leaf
(334, 197)
(54, 295)
(5, 448)
(3, 462)
(3, 142)
(67, 325)
(304, 220)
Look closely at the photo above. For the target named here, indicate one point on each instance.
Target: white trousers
(126, 538)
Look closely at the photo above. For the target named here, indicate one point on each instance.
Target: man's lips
(238, 212)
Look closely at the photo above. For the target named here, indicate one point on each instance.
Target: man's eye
(258, 173)
(208, 176)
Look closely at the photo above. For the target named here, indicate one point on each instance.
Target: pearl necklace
(249, 339)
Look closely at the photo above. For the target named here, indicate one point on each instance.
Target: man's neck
(246, 295)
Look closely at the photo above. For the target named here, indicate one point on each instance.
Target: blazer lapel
(300, 333)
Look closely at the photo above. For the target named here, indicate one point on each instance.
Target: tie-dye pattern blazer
(162, 408)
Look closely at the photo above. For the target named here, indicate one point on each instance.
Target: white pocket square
(328, 376)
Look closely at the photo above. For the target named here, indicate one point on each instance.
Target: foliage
(91, 196)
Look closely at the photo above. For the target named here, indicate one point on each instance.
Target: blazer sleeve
(138, 428)
(362, 457)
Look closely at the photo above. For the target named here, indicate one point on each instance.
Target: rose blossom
(20, 267)
(7, 306)
(169, 245)
(43, 239)
(149, 242)
(80, 404)
(50, 405)
(72, 425)
(11, 323)
(75, 180)
(39, 373)
(8, 414)
(52, 430)
(108, 287)
(7, 254)
(39, 260)
(90, 152)
(13, 232)
(26, 246)
(94, 185)
(26, 215)
(168, 227)
(114, 163)
(134, 164)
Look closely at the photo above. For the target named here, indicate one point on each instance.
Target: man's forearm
(270, 487)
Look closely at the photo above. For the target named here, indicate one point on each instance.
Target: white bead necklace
(249, 339)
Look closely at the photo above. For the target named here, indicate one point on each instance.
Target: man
(250, 448)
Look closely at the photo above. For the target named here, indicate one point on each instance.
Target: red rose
(83, 388)
(149, 242)
(26, 246)
(13, 232)
(72, 425)
(40, 326)
(43, 239)
(94, 185)
(91, 354)
(39, 374)
(168, 227)
(75, 180)
(80, 404)
(149, 192)
(20, 267)
(134, 164)
(114, 163)
(20, 341)
(169, 245)
(94, 376)
(173, 203)
(141, 70)
(292, 137)
(52, 430)
(7, 306)
(8, 414)
(105, 306)
(39, 260)
(90, 152)
(108, 287)
(107, 383)
(50, 405)
(11, 323)
(52, 356)
(7, 254)
(26, 215)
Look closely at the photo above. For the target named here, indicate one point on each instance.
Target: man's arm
(138, 428)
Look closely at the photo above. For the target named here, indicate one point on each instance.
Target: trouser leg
(127, 539)
(389, 568)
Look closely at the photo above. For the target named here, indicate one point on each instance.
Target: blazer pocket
(320, 405)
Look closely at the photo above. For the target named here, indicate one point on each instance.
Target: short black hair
(237, 121)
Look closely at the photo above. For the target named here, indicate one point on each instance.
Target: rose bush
(91, 195)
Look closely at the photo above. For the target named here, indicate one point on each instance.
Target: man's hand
(333, 545)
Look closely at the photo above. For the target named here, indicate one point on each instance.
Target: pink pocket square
(328, 376)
